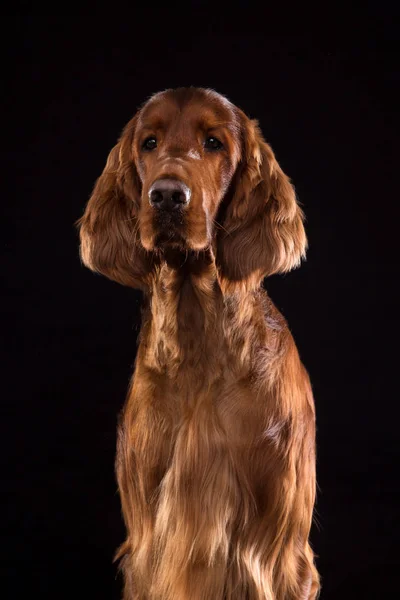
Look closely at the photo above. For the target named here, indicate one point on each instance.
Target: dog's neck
(184, 326)
(183, 333)
(191, 330)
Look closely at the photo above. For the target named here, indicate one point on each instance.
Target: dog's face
(186, 148)
(191, 171)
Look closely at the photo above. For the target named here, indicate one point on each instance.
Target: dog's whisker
(219, 226)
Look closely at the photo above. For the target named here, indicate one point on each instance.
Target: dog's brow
(214, 124)
(214, 121)
(152, 126)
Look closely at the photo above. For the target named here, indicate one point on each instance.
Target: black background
(325, 88)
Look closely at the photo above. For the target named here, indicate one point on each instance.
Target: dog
(216, 444)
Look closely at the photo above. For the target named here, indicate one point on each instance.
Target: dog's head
(192, 172)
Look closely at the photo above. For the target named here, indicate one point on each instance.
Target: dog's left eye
(149, 144)
(213, 143)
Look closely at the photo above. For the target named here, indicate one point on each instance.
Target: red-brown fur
(216, 451)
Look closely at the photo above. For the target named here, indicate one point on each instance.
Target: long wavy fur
(216, 446)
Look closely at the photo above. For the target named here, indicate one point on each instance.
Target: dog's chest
(195, 412)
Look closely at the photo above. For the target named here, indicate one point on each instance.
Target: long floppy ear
(109, 235)
(262, 228)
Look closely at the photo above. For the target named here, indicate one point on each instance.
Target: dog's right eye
(149, 144)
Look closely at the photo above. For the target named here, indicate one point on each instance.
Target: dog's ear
(109, 227)
(262, 226)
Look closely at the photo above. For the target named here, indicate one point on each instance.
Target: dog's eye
(213, 143)
(149, 144)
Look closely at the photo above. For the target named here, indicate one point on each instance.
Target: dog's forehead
(204, 104)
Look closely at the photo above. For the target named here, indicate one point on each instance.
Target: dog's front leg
(199, 502)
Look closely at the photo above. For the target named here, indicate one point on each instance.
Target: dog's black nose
(169, 194)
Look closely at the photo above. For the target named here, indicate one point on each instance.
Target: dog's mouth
(170, 230)
(169, 239)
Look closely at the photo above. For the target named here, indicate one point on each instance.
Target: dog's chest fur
(199, 362)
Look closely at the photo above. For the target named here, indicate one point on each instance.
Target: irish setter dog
(216, 452)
